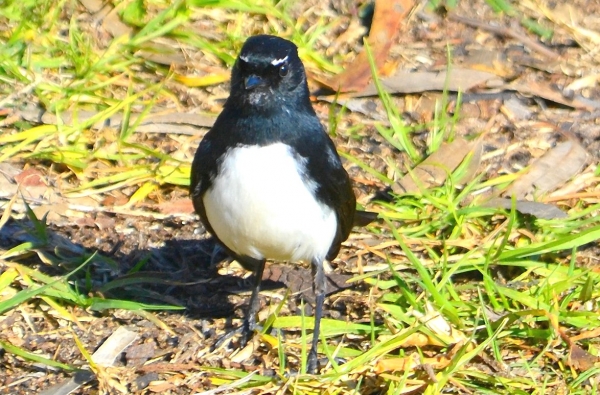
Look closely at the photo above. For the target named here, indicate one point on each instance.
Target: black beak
(253, 81)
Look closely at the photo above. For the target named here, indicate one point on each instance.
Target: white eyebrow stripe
(244, 58)
(277, 62)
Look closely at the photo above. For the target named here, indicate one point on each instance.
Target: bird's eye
(284, 70)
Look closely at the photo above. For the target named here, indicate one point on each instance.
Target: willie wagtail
(266, 180)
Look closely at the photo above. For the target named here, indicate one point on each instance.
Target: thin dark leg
(249, 324)
(250, 319)
(319, 288)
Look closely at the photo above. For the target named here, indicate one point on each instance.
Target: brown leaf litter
(535, 105)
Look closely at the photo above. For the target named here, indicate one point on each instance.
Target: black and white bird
(266, 180)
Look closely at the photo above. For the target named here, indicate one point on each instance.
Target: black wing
(334, 185)
(204, 167)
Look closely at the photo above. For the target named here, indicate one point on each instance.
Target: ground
(450, 291)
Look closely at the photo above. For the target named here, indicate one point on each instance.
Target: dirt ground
(518, 127)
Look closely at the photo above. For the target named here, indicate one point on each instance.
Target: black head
(268, 73)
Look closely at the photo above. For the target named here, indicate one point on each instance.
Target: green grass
(465, 298)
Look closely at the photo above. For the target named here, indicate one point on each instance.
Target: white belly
(260, 206)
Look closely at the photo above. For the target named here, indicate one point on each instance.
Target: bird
(266, 179)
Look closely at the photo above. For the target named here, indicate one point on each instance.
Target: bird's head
(268, 73)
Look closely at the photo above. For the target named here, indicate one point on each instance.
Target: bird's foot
(245, 331)
(227, 337)
(312, 365)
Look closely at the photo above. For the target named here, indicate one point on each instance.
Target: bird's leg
(319, 289)
(250, 319)
(249, 323)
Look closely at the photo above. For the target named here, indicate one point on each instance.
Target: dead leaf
(67, 387)
(164, 54)
(365, 106)
(111, 23)
(491, 60)
(397, 364)
(30, 177)
(179, 206)
(413, 362)
(515, 110)
(421, 340)
(105, 355)
(104, 222)
(435, 169)
(534, 88)
(85, 221)
(550, 171)
(537, 209)
(384, 30)
(164, 122)
(442, 329)
(580, 359)
(161, 387)
(243, 354)
(138, 354)
(459, 80)
(108, 352)
(474, 160)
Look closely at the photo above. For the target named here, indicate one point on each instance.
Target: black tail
(363, 218)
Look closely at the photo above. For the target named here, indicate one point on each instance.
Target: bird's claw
(246, 330)
(312, 364)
